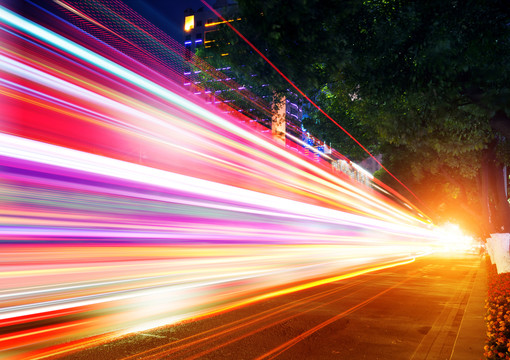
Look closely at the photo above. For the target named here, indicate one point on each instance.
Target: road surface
(408, 312)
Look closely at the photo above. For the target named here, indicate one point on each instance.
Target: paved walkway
(471, 336)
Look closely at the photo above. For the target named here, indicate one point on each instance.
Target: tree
(431, 77)
(334, 104)
(446, 63)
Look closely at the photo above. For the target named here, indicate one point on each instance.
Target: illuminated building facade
(201, 22)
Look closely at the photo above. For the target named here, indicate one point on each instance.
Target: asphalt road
(408, 312)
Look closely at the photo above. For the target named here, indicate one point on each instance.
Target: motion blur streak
(129, 203)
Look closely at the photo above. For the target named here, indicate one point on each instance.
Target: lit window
(189, 23)
(211, 23)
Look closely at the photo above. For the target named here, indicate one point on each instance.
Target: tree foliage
(430, 78)
(335, 105)
(433, 78)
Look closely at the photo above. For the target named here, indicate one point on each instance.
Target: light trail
(128, 203)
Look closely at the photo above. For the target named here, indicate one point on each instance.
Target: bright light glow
(452, 238)
(189, 23)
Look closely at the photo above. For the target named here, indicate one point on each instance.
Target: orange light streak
(315, 283)
(218, 22)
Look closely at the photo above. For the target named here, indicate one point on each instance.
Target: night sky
(168, 15)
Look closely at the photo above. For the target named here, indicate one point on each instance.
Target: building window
(198, 36)
(189, 23)
(199, 23)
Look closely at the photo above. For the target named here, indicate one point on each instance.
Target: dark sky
(168, 15)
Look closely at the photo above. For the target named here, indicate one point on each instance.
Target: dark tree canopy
(334, 103)
(431, 79)
(311, 63)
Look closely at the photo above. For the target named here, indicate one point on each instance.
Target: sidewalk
(471, 336)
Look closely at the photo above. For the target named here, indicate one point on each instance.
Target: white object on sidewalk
(498, 247)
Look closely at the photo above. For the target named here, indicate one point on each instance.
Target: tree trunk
(495, 206)
(485, 199)
(500, 199)
(500, 123)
